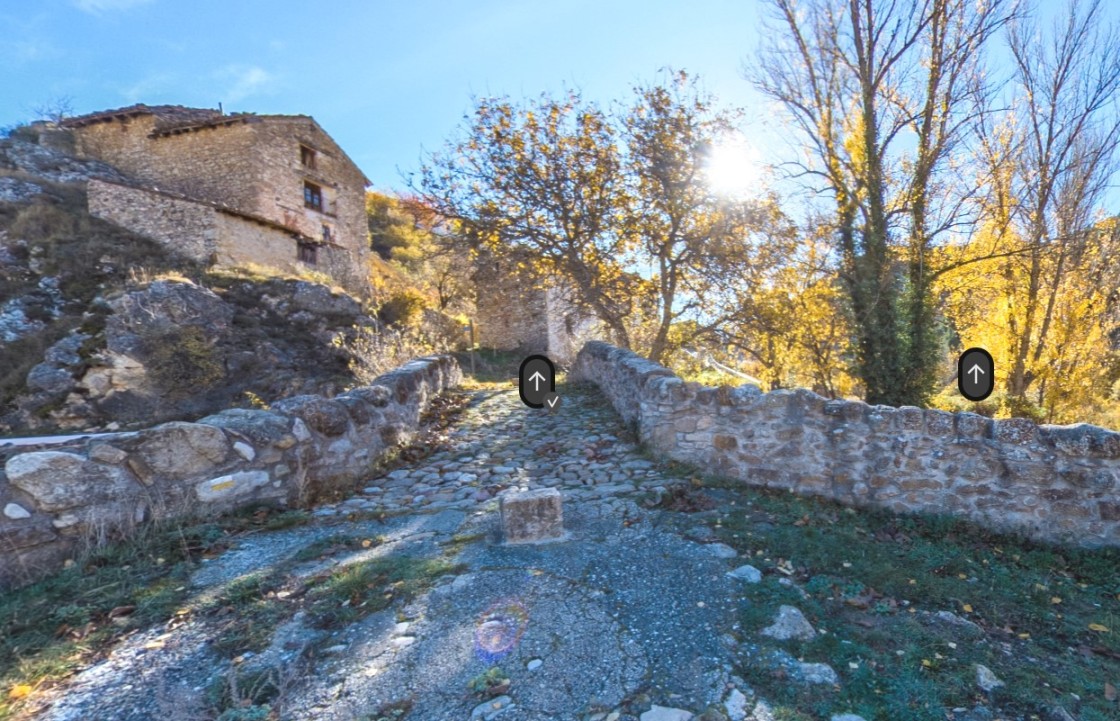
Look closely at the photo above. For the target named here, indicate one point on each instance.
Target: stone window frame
(307, 253)
(308, 156)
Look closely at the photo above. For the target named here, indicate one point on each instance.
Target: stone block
(177, 451)
(230, 487)
(105, 453)
(532, 516)
(260, 427)
(324, 415)
(1015, 430)
(973, 425)
(58, 480)
(725, 443)
(939, 423)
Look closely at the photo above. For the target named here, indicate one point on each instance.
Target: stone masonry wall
(204, 233)
(56, 497)
(1054, 483)
(512, 314)
(185, 227)
(215, 164)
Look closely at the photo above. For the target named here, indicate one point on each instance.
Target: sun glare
(734, 168)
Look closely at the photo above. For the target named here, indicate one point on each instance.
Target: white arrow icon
(976, 372)
(536, 378)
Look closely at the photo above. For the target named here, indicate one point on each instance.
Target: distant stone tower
(516, 312)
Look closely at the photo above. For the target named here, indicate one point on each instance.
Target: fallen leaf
(367, 543)
(804, 520)
(1098, 628)
(1109, 692)
(153, 645)
(19, 691)
(1055, 599)
(967, 608)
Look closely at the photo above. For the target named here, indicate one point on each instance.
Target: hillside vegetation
(101, 328)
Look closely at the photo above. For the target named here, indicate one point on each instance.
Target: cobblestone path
(631, 613)
(499, 443)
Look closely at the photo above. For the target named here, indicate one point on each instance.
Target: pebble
(789, 624)
(986, 679)
(489, 709)
(736, 705)
(722, 550)
(817, 673)
(534, 664)
(747, 573)
(663, 713)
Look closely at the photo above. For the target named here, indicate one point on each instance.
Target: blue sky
(385, 79)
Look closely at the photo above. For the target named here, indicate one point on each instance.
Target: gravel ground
(628, 613)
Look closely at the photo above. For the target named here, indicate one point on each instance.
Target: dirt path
(627, 615)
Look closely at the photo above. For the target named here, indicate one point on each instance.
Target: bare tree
(55, 110)
(1066, 130)
(883, 94)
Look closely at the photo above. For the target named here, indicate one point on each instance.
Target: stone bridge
(1055, 483)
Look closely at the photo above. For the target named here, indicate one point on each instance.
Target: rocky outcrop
(173, 349)
(1058, 483)
(61, 495)
(51, 164)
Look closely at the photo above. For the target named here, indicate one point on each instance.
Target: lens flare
(500, 629)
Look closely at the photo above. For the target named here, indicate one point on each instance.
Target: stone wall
(57, 497)
(215, 164)
(1054, 483)
(183, 226)
(518, 312)
(207, 234)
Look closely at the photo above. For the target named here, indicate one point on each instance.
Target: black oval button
(976, 374)
(536, 380)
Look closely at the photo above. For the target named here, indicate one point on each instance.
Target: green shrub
(404, 309)
(183, 361)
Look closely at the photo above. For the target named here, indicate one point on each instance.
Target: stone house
(228, 190)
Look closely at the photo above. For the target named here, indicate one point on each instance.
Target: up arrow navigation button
(975, 374)
(536, 381)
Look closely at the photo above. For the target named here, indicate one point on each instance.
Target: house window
(308, 253)
(326, 233)
(307, 157)
(313, 196)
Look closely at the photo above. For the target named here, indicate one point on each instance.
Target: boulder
(789, 624)
(58, 481)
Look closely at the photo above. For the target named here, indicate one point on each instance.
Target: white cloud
(102, 6)
(149, 87)
(244, 81)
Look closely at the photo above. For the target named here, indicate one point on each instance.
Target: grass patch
(351, 593)
(1045, 619)
(52, 628)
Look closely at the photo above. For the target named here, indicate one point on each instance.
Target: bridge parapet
(1054, 483)
(53, 501)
